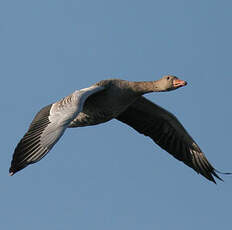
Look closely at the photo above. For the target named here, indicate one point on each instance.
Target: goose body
(106, 100)
(107, 104)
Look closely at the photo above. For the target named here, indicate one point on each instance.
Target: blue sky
(108, 176)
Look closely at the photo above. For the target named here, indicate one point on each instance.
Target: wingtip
(219, 172)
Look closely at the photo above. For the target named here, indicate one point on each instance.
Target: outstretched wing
(47, 127)
(166, 131)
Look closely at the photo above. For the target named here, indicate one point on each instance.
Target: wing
(166, 131)
(47, 127)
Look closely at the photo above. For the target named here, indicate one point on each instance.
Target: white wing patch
(47, 127)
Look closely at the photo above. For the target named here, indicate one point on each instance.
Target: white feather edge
(61, 114)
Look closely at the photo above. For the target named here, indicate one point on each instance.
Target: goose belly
(101, 108)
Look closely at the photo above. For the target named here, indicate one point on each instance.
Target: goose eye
(168, 78)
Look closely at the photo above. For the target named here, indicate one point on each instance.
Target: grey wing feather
(165, 130)
(47, 127)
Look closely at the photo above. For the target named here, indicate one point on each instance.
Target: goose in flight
(103, 101)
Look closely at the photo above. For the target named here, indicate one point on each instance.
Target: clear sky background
(109, 177)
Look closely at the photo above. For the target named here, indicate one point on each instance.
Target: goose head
(170, 82)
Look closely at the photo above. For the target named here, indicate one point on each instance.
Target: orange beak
(179, 83)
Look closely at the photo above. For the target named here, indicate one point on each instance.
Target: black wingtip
(222, 173)
(12, 171)
(217, 176)
(15, 167)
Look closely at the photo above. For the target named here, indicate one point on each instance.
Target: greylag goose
(103, 101)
